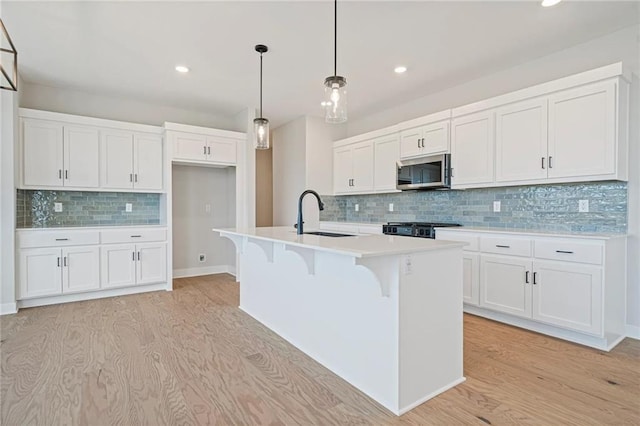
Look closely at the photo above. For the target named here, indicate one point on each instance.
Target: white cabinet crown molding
(88, 121)
(186, 128)
(424, 120)
(366, 136)
(574, 80)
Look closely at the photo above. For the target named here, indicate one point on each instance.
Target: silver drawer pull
(564, 251)
(62, 239)
(136, 236)
(501, 246)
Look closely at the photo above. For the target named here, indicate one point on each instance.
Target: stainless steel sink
(329, 234)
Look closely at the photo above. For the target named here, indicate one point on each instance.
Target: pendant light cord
(260, 85)
(335, 38)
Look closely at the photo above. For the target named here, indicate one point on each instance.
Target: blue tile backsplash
(35, 209)
(540, 207)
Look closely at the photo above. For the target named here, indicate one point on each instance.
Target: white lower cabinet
(505, 284)
(64, 262)
(470, 278)
(55, 271)
(570, 287)
(126, 265)
(568, 295)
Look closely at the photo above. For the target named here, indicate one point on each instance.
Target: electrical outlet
(496, 206)
(202, 257)
(583, 206)
(207, 208)
(407, 265)
(128, 207)
(357, 207)
(390, 207)
(57, 207)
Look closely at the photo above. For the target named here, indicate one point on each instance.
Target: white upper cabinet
(386, 155)
(342, 169)
(426, 140)
(521, 141)
(58, 155)
(204, 146)
(472, 149)
(60, 151)
(42, 153)
(582, 131)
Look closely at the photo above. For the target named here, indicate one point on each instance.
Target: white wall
(194, 188)
(78, 102)
(8, 139)
(289, 158)
(623, 45)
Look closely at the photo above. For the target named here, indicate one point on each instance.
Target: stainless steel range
(414, 229)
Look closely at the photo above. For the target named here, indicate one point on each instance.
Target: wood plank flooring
(191, 357)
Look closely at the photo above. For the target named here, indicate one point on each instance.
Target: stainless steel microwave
(433, 172)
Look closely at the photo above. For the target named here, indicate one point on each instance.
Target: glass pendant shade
(261, 133)
(335, 99)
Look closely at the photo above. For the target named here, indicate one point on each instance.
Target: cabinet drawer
(56, 238)
(471, 240)
(569, 251)
(506, 245)
(142, 235)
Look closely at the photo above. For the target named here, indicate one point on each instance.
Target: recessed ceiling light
(400, 69)
(182, 68)
(549, 3)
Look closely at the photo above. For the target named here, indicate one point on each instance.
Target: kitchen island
(382, 312)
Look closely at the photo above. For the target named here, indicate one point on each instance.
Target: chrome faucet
(320, 206)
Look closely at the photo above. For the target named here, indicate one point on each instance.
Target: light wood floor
(191, 357)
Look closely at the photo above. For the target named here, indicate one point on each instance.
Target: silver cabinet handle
(58, 261)
(550, 164)
(423, 142)
(130, 177)
(138, 255)
(208, 150)
(564, 251)
(135, 177)
(65, 261)
(526, 277)
(501, 246)
(66, 174)
(133, 256)
(535, 274)
(204, 150)
(542, 162)
(59, 173)
(418, 142)
(136, 236)
(62, 239)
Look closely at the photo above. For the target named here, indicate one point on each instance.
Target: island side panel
(431, 338)
(337, 316)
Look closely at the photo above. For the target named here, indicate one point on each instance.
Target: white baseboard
(633, 331)
(208, 270)
(8, 308)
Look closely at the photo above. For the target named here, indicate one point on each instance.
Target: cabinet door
(80, 269)
(363, 166)
(471, 278)
(42, 159)
(40, 272)
(472, 146)
(116, 159)
(147, 173)
(411, 143)
(521, 141)
(386, 155)
(503, 285)
(221, 150)
(189, 146)
(568, 295)
(435, 138)
(342, 169)
(81, 157)
(582, 131)
(152, 263)
(118, 265)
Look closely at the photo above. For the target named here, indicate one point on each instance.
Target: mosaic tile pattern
(539, 207)
(35, 209)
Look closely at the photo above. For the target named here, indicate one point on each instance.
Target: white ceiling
(130, 48)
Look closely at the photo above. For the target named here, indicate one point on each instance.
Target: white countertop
(356, 246)
(91, 228)
(531, 233)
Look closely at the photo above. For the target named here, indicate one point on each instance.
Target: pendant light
(261, 124)
(335, 86)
